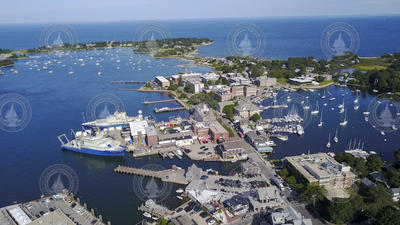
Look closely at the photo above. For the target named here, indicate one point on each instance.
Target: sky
(51, 11)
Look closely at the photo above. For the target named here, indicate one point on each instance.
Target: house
(288, 217)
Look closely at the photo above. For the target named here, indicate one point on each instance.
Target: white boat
(341, 105)
(382, 133)
(332, 99)
(179, 197)
(325, 104)
(394, 127)
(366, 119)
(356, 107)
(71, 72)
(344, 122)
(366, 113)
(323, 96)
(234, 160)
(320, 121)
(374, 90)
(341, 110)
(99, 73)
(328, 145)
(146, 214)
(373, 153)
(356, 100)
(179, 152)
(154, 218)
(336, 139)
(179, 190)
(316, 110)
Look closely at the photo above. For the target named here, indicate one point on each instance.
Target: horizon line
(210, 18)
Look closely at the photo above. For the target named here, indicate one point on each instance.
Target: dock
(175, 175)
(159, 101)
(167, 109)
(127, 82)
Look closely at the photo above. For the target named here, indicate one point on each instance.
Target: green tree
(189, 88)
(228, 110)
(374, 163)
(376, 199)
(255, 117)
(313, 193)
(180, 81)
(397, 154)
(387, 216)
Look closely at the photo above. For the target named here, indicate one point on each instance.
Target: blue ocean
(59, 100)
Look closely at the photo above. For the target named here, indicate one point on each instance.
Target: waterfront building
(151, 135)
(218, 132)
(197, 191)
(265, 81)
(186, 76)
(250, 90)
(138, 130)
(162, 81)
(231, 149)
(186, 125)
(259, 142)
(288, 217)
(326, 171)
(303, 80)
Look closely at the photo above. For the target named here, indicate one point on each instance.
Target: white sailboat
(336, 139)
(341, 105)
(320, 121)
(323, 96)
(328, 145)
(316, 110)
(344, 122)
(356, 100)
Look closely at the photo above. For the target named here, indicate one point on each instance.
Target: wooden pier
(159, 101)
(174, 175)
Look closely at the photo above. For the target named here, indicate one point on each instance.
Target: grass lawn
(372, 63)
(282, 80)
